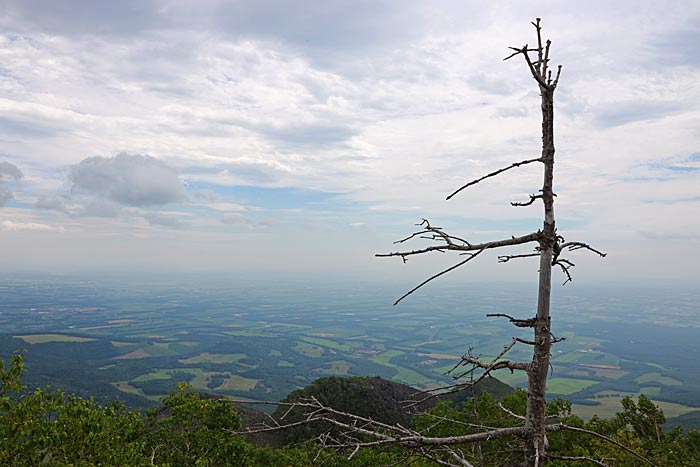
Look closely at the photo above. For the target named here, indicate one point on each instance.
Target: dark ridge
(371, 397)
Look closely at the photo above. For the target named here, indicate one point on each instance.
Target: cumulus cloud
(123, 17)
(100, 208)
(8, 172)
(128, 179)
(52, 203)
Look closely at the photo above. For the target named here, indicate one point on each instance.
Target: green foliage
(637, 426)
(10, 380)
(374, 398)
(192, 430)
(645, 418)
(471, 416)
(50, 428)
(688, 420)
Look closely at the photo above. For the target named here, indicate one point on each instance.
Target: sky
(304, 137)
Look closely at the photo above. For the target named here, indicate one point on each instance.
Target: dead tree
(549, 246)
(353, 432)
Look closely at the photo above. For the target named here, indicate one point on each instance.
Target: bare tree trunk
(536, 445)
(549, 248)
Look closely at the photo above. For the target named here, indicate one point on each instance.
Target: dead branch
(438, 234)
(415, 441)
(506, 258)
(398, 435)
(573, 246)
(382, 434)
(493, 365)
(461, 263)
(546, 55)
(494, 173)
(529, 238)
(518, 51)
(451, 389)
(557, 339)
(448, 244)
(526, 203)
(512, 414)
(458, 422)
(540, 69)
(539, 78)
(578, 458)
(565, 266)
(459, 458)
(521, 323)
(507, 364)
(428, 455)
(561, 426)
(556, 80)
(525, 341)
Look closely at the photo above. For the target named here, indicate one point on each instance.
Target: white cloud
(129, 179)
(8, 173)
(19, 226)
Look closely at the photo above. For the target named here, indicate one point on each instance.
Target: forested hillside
(47, 427)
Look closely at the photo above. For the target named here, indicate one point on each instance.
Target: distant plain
(254, 339)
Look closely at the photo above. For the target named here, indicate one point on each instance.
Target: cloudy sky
(306, 136)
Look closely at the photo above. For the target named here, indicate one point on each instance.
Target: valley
(259, 340)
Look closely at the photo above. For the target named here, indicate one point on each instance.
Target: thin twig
(609, 440)
(573, 246)
(506, 258)
(493, 174)
(512, 414)
(578, 458)
(521, 323)
(527, 203)
(461, 263)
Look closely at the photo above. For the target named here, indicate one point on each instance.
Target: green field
(567, 386)
(328, 343)
(237, 383)
(336, 368)
(44, 338)
(658, 378)
(384, 358)
(156, 375)
(609, 406)
(138, 341)
(309, 350)
(212, 358)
